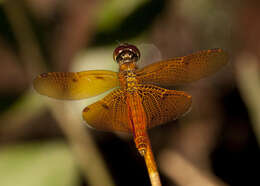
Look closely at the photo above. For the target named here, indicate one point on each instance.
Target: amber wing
(109, 114)
(160, 105)
(185, 69)
(75, 85)
(163, 105)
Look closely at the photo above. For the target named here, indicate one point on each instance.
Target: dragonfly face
(126, 53)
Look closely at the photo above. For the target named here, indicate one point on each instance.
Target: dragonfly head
(125, 53)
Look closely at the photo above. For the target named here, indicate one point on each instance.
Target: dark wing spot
(105, 106)
(44, 75)
(86, 109)
(74, 80)
(99, 77)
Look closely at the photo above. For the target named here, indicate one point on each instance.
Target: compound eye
(126, 48)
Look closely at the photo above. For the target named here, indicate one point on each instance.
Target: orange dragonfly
(139, 103)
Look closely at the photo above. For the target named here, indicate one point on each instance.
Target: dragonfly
(141, 100)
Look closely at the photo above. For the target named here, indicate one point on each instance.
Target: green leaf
(38, 164)
(115, 11)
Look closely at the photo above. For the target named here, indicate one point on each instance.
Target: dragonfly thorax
(128, 79)
(126, 56)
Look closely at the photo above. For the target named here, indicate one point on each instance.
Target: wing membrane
(108, 114)
(75, 85)
(160, 105)
(163, 105)
(185, 69)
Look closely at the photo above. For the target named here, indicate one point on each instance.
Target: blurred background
(45, 141)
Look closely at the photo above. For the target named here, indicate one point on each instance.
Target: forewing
(163, 105)
(108, 114)
(75, 85)
(185, 69)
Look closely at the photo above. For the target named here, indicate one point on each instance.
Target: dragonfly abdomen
(137, 120)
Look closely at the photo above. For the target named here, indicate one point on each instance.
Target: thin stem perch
(151, 166)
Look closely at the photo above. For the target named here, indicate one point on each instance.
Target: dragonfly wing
(163, 105)
(75, 85)
(108, 114)
(185, 69)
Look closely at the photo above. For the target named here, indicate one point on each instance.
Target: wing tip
(220, 56)
(221, 51)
